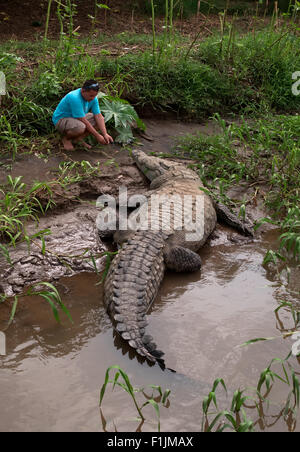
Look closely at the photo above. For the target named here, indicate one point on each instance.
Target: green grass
(250, 74)
(45, 290)
(160, 399)
(189, 89)
(19, 204)
(227, 73)
(263, 152)
(261, 64)
(186, 8)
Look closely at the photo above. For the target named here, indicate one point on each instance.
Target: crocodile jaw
(151, 166)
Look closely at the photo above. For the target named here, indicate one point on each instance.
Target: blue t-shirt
(73, 105)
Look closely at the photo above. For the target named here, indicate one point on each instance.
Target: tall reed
(47, 20)
(153, 28)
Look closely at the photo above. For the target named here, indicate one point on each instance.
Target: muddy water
(51, 376)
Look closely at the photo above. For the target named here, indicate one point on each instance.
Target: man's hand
(100, 125)
(100, 139)
(108, 139)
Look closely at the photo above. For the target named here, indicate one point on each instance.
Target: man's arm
(101, 126)
(92, 130)
(105, 139)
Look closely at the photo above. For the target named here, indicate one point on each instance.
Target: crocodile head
(152, 166)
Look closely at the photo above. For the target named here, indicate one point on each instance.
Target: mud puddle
(52, 374)
(160, 137)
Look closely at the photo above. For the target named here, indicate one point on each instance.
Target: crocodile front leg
(226, 216)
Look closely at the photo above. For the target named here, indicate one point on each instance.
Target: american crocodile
(159, 240)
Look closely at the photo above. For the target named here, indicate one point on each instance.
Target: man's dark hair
(90, 85)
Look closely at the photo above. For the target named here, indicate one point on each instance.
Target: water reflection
(35, 333)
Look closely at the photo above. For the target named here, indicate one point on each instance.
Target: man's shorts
(67, 124)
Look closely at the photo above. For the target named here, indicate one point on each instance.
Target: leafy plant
(9, 60)
(10, 138)
(49, 293)
(72, 172)
(47, 85)
(52, 297)
(27, 116)
(290, 240)
(127, 387)
(121, 115)
(17, 205)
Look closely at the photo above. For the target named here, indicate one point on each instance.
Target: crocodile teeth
(126, 336)
(121, 327)
(132, 344)
(119, 318)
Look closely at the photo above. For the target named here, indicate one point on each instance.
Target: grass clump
(261, 64)
(45, 290)
(160, 399)
(187, 88)
(18, 204)
(265, 151)
(244, 402)
(247, 74)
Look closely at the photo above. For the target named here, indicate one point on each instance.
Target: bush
(269, 61)
(188, 7)
(189, 88)
(28, 117)
(262, 63)
(47, 86)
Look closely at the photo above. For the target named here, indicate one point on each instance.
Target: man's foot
(87, 146)
(81, 141)
(67, 144)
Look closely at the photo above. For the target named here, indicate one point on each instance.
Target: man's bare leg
(70, 135)
(68, 146)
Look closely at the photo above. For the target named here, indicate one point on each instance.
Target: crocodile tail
(131, 285)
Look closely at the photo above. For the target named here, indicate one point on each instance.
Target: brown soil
(26, 20)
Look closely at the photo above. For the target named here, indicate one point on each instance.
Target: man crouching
(78, 115)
